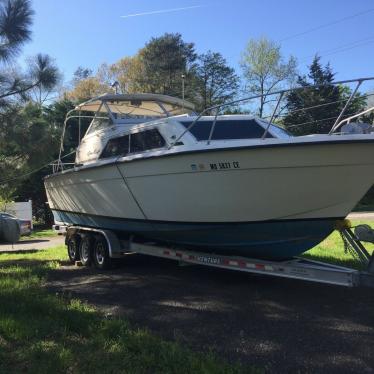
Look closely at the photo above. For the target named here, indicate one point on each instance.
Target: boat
(149, 167)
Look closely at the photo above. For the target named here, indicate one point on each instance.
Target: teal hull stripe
(267, 239)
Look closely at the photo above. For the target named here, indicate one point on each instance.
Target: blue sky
(90, 32)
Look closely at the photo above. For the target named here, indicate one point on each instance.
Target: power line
(349, 48)
(327, 25)
(351, 44)
(341, 48)
(316, 120)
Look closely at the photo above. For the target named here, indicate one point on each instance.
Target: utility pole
(183, 77)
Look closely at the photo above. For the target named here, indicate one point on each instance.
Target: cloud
(162, 11)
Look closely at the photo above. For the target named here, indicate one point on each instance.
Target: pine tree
(15, 23)
(216, 82)
(164, 60)
(325, 102)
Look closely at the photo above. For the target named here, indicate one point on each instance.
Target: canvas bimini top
(137, 105)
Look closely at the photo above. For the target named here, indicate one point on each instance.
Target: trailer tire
(101, 258)
(73, 248)
(85, 249)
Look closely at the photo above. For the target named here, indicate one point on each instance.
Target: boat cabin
(133, 125)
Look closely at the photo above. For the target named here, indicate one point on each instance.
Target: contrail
(162, 11)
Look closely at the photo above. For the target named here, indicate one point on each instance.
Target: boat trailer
(90, 245)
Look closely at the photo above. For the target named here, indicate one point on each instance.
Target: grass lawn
(45, 333)
(332, 249)
(38, 234)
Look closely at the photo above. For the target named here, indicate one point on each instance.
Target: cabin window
(146, 140)
(227, 129)
(140, 142)
(116, 147)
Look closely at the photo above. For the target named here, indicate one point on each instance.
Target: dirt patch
(279, 324)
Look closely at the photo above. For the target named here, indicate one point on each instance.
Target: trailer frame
(295, 268)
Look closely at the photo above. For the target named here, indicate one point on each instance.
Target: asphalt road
(32, 244)
(277, 324)
(361, 216)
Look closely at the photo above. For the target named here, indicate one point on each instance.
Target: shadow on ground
(282, 325)
(32, 241)
(19, 252)
(42, 333)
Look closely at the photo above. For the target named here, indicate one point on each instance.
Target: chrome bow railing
(281, 94)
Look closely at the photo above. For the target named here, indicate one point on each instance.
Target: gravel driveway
(277, 324)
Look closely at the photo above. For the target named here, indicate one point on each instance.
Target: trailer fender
(114, 245)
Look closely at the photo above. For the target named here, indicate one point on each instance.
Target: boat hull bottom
(271, 240)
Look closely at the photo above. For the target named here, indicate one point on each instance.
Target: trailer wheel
(101, 257)
(73, 248)
(85, 249)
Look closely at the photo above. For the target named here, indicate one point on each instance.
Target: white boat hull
(167, 197)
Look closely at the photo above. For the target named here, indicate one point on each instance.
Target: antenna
(115, 85)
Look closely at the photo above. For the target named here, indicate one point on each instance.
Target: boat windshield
(226, 129)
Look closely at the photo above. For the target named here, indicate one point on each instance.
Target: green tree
(265, 70)
(15, 23)
(27, 142)
(26, 139)
(81, 73)
(164, 60)
(160, 67)
(216, 81)
(86, 89)
(46, 77)
(128, 72)
(318, 119)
